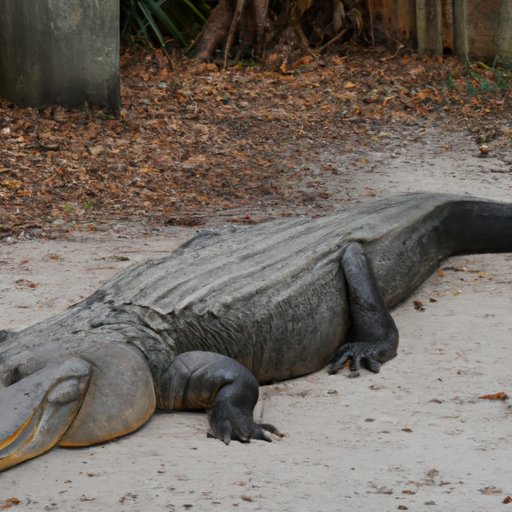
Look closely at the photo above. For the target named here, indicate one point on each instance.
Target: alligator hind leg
(227, 389)
(37, 410)
(373, 336)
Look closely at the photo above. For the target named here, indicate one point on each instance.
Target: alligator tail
(477, 226)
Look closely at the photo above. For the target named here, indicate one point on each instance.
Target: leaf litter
(194, 142)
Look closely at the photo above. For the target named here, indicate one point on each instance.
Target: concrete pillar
(504, 35)
(60, 52)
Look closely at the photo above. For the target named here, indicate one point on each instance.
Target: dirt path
(414, 437)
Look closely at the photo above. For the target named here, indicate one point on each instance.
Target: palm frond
(158, 21)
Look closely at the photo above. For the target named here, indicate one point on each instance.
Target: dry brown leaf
(499, 395)
(26, 283)
(490, 490)
(10, 502)
(418, 305)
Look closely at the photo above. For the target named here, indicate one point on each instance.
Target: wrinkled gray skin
(204, 324)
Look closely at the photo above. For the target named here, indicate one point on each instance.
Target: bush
(163, 22)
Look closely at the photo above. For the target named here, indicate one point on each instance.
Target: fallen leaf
(499, 395)
(95, 150)
(490, 490)
(418, 305)
(26, 283)
(10, 502)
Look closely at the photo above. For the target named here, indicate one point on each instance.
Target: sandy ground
(414, 437)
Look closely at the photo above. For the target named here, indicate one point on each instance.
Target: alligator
(202, 327)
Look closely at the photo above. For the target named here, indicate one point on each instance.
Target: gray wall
(60, 52)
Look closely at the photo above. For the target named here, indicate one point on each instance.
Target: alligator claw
(360, 354)
(228, 423)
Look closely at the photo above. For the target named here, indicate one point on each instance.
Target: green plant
(484, 138)
(449, 82)
(485, 80)
(162, 21)
(503, 79)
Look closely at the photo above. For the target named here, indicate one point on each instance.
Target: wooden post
(428, 26)
(60, 52)
(393, 19)
(460, 29)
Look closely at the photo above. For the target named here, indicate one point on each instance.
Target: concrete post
(60, 52)
(504, 35)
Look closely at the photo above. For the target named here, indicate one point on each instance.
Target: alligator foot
(37, 410)
(373, 336)
(227, 389)
(230, 418)
(367, 355)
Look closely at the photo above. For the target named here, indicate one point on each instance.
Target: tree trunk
(251, 27)
(428, 23)
(460, 28)
(230, 18)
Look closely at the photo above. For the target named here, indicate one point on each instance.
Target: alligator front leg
(227, 389)
(373, 336)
